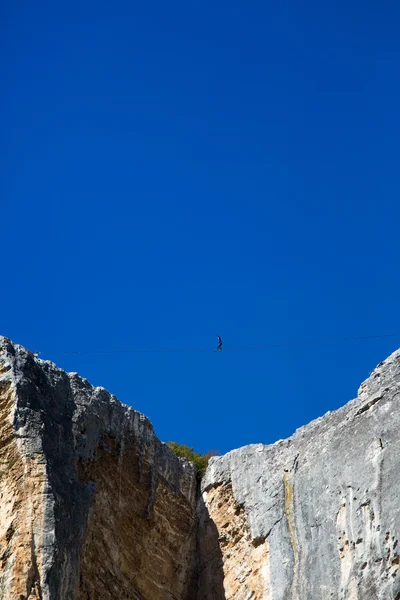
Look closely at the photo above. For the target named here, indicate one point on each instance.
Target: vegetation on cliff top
(200, 461)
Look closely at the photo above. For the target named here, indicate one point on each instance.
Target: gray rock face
(69, 451)
(325, 501)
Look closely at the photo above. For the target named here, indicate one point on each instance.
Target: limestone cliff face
(316, 516)
(93, 505)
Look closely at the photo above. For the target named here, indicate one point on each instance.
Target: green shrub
(200, 461)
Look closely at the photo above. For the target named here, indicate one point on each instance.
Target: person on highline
(219, 346)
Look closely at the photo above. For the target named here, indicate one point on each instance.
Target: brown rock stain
(21, 505)
(140, 535)
(245, 562)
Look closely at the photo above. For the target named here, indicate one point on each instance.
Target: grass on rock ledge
(200, 461)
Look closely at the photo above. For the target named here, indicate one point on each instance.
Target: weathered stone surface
(322, 508)
(92, 504)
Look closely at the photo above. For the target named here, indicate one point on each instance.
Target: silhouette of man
(219, 346)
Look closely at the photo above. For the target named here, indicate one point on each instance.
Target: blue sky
(174, 170)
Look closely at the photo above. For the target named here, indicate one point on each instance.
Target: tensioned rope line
(242, 349)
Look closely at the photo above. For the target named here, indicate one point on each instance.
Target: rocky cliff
(316, 516)
(93, 505)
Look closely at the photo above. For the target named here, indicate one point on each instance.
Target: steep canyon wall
(93, 505)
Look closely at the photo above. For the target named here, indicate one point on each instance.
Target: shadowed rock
(92, 503)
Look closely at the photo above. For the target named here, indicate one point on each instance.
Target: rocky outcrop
(93, 505)
(316, 516)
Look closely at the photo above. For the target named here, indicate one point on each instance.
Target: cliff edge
(93, 505)
(316, 516)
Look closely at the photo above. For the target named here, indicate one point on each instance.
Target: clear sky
(173, 170)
